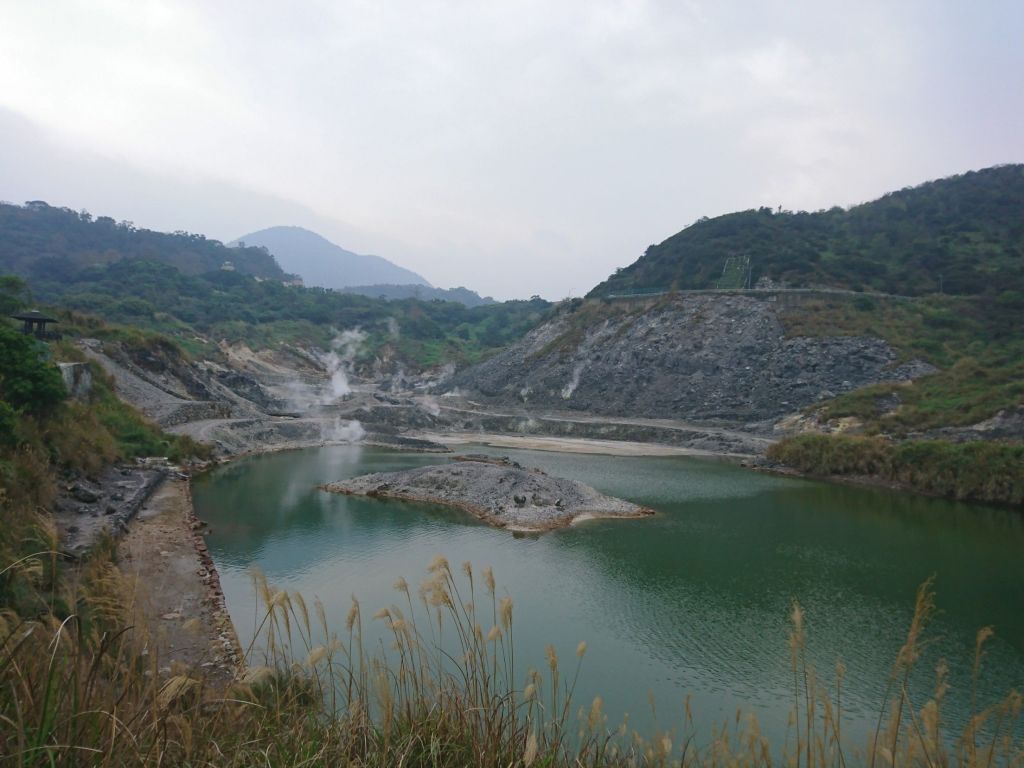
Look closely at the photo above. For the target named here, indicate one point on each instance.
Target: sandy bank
(570, 445)
(176, 593)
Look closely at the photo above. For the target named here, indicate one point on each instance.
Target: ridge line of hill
(323, 263)
(962, 235)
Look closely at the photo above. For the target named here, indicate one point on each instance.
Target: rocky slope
(253, 401)
(172, 391)
(708, 372)
(712, 358)
(88, 509)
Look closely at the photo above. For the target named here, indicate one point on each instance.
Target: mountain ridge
(323, 263)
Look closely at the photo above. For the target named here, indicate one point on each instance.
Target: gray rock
(84, 493)
(494, 491)
(81, 525)
(704, 358)
(77, 379)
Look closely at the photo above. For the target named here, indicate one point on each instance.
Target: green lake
(694, 601)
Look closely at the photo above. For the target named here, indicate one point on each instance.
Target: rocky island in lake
(498, 491)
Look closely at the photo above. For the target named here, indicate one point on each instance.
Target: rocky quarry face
(710, 358)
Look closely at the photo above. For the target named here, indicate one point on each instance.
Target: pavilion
(35, 324)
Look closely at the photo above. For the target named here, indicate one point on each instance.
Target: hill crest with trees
(961, 235)
(40, 241)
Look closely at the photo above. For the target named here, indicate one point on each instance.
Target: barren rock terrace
(497, 491)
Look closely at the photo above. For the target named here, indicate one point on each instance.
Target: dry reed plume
(78, 688)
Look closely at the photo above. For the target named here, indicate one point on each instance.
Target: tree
(28, 383)
(13, 294)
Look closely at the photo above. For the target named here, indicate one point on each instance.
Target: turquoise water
(694, 601)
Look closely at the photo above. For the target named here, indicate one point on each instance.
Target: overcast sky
(512, 147)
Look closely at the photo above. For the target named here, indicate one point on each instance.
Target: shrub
(980, 471)
(28, 382)
(8, 426)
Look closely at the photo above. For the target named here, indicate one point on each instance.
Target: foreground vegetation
(80, 684)
(77, 688)
(976, 471)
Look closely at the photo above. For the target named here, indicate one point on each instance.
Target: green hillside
(961, 235)
(956, 246)
(424, 292)
(39, 241)
(174, 284)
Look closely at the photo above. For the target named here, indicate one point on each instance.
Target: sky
(516, 148)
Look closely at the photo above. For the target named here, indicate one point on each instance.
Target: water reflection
(694, 600)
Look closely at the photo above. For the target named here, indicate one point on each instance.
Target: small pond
(694, 601)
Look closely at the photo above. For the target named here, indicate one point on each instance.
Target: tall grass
(86, 689)
(978, 471)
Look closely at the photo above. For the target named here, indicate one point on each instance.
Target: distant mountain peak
(319, 262)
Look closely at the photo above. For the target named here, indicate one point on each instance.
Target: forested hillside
(41, 242)
(424, 292)
(236, 307)
(174, 283)
(961, 235)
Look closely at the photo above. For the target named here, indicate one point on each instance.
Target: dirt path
(587, 418)
(177, 592)
(204, 430)
(568, 444)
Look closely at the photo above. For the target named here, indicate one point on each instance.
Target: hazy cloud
(514, 147)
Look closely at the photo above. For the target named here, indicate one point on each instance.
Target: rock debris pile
(498, 491)
(88, 508)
